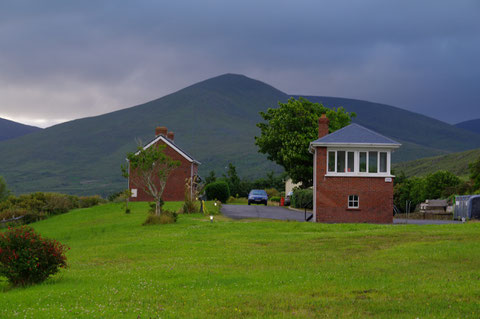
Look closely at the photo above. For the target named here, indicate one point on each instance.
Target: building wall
(175, 187)
(375, 196)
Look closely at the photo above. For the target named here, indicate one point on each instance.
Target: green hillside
(251, 269)
(10, 129)
(457, 163)
(214, 120)
(421, 136)
(472, 125)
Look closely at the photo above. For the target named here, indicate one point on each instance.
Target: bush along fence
(29, 208)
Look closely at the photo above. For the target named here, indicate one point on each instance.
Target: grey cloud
(65, 60)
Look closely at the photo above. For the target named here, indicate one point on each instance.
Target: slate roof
(355, 134)
(172, 145)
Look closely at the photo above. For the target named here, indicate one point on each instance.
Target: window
(363, 162)
(358, 162)
(341, 162)
(351, 162)
(372, 162)
(353, 201)
(331, 161)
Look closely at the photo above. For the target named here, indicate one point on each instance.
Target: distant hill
(10, 129)
(214, 120)
(420, 135)
(457, 163)
(472, 125)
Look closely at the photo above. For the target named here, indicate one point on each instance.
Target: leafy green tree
(411, 189)
(233, 180)
(4, 192)
(210, 178)
(441, 184)
(152, 167)
(288, 131)
(475, 174)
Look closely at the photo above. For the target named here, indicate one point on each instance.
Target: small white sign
(134, 192)
(388, 179)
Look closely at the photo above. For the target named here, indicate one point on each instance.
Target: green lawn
(244, 269)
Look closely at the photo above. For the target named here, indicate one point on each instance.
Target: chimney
(161, 130)
(170, 136)
(323, 125)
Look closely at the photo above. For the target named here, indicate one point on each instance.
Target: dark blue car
(257, 196)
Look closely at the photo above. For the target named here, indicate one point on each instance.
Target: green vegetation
(302, 198)
(214, 121)
(441, 184)
(456, 163)
(152, 168)
(287, 131)
(28, 258)
(218, 191)
(475, 174)
(4, 192)
(10, 129)
(244, 269)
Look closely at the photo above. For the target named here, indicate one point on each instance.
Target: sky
(63, 60)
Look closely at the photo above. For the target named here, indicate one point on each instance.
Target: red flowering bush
(28, 258)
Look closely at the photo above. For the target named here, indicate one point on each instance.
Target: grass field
(244, 269)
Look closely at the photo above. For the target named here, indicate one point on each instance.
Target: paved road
(425, 221)
(261, 211)
(274, 212)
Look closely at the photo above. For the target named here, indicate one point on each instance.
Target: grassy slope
(214, 120)
(457, 163)
(472, 125)
(10, 129)
(235, 269)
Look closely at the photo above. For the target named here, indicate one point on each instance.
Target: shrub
(218, 190)
(167, 217)
(302, 198)
(28, 258)
(89, 201)
(272, 192)
(275, 199)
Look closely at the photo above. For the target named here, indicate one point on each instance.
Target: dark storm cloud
(63, 59)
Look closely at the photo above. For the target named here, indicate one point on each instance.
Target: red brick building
(175, 186)
(352, 178)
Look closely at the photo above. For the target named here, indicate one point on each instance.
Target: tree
(210, 178)
(286, 135)
(233, 180)
(441, 184)
(4, 192)
(475, 174)
(152, 167)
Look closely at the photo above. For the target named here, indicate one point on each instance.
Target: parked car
(288, 199)
(257, 196)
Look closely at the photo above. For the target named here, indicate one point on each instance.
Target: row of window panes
(346, 162)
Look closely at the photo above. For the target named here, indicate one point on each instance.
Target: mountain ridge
(213, 120)
(10, 129)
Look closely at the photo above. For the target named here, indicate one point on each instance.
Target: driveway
(261, 211)
(281, 213)
(425, 221)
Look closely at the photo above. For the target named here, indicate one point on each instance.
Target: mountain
(472, 125)
(420, 135)
(10, 129)
(214, 121)
(457, 163)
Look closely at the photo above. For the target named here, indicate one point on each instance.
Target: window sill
(358, 175)
(353, 209)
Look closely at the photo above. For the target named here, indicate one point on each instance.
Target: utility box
(467, 207)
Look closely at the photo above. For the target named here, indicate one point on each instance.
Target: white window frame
(353, 200)
(356, 156)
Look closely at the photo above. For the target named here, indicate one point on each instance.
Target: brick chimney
(323, 125)
(170, 136)
(161, 130)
